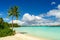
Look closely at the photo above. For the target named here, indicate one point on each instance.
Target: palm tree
(13, 12)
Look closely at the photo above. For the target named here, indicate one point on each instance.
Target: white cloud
(53, 3)
(6, 19)
(17, 21)
(28, 17)
(58, 6)
(54, 12)
(34, 20)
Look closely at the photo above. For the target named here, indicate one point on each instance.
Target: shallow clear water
(44, 32)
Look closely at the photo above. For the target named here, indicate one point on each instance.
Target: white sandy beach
(19, 36)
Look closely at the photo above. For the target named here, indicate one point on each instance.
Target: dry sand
(19, 36)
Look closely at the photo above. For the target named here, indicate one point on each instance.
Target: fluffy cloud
(58, 6)
(17, 21)
(31, 20)
(34, 20)
(6, 19)
(54, 12)
(53, 3)
(28, 17)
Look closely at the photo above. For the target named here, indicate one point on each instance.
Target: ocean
(42, 32)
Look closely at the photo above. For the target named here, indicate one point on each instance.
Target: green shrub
(6, 32)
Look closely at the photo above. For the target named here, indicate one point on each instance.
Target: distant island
(40, 25)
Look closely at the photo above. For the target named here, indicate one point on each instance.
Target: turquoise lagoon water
(44, 32)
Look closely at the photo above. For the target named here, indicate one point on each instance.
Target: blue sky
(32, 7)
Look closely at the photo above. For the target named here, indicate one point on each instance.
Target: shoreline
(19, 36)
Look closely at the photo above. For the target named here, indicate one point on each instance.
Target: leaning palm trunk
(12, 22)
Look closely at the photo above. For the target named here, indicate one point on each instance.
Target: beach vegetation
(5, 28)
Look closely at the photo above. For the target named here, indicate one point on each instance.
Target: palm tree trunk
(12, 22)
